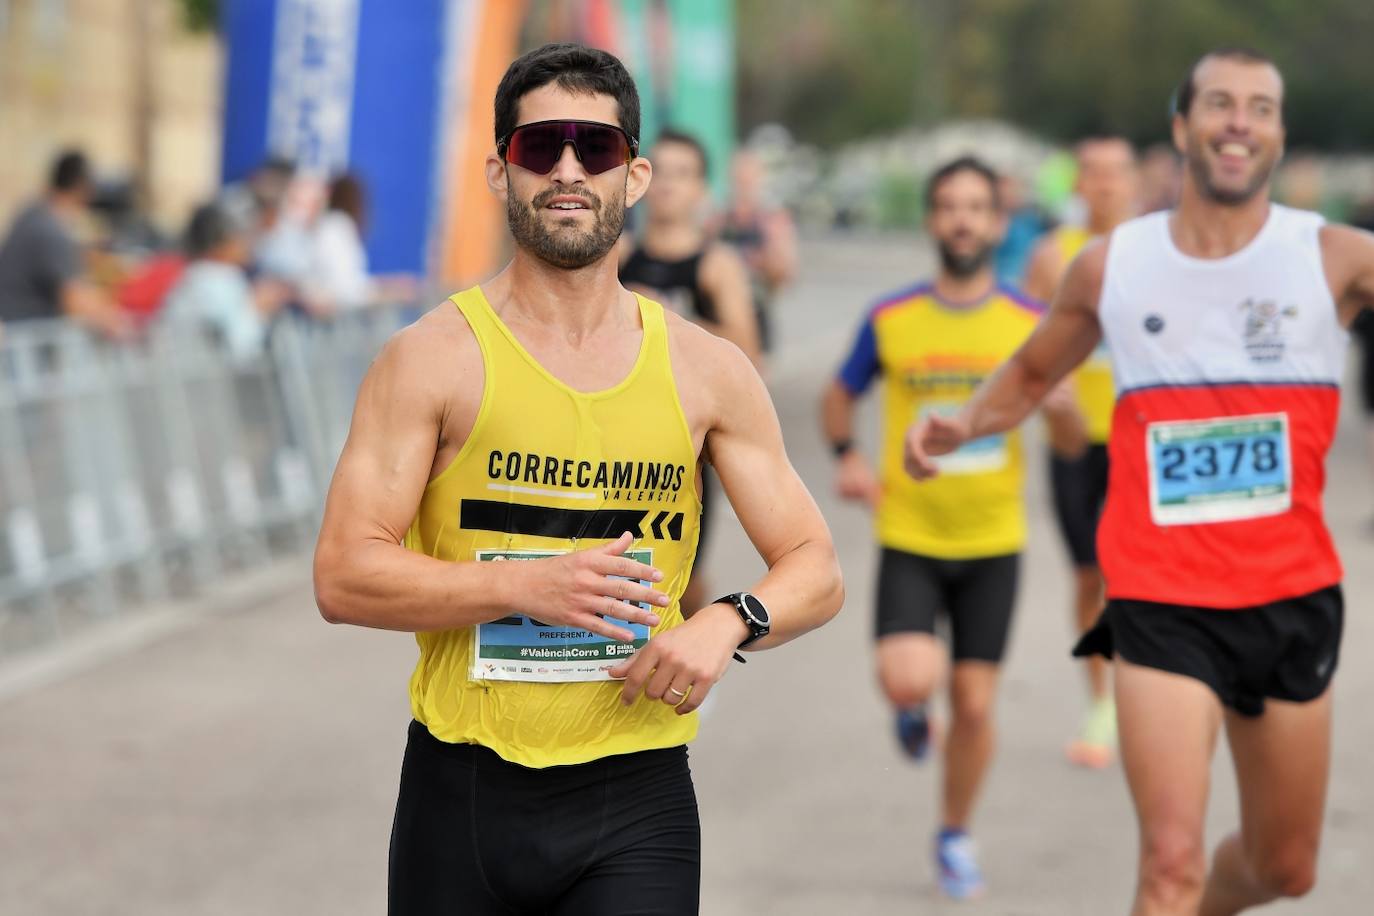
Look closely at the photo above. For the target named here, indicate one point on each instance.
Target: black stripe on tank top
(567, 524)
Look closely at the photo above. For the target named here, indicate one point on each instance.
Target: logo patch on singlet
(1264, 339)
(1154, 323)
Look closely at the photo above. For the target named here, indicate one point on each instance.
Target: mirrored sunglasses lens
(536, 148)
(600, 148)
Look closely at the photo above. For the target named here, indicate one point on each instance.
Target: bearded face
(568, 228)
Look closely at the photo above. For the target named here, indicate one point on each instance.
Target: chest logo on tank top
(1264, 322)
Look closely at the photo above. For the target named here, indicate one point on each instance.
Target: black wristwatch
(754, 614)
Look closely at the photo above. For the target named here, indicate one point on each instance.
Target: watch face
(756, 609)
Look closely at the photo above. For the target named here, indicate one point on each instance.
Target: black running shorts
(477, 835)
(1079, 486)
(976, 596)
(1286, 650)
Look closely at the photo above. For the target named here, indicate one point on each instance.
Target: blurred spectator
(764, 236)
(129, 233)
(269, 181)
(281, 244)
(214, 291)
(340, 278)
(1026, 222)
(1161, 177)
(42, 274)
(338, 270)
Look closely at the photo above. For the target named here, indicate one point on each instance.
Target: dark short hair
(347, 194)
(672, 135)
(1182, 101)
(211, 226)
(70, 170)
(573, 67)
(963, 164)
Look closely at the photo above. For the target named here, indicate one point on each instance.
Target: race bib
(519, 648)
(1222, 470)
(977, 456)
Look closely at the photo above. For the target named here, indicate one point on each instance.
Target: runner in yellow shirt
(951, 548)
(521, 489)
(1109, 184)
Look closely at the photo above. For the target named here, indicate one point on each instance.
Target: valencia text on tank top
(547, 470)
(1228, 375)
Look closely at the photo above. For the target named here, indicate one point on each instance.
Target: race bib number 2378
(1221, 470)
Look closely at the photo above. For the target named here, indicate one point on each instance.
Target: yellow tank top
(1092, 382)
(933, 356)
(548, 469)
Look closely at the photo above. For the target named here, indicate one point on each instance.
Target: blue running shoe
(913, 732)
(956, 857)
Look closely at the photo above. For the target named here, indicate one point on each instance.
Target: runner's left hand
(690, 658)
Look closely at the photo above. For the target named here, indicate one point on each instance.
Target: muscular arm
(1067, 426)
(802, 588)
(1348, 258)
(362, 573)
(426, 385)
(1063, 339)
(724, 279)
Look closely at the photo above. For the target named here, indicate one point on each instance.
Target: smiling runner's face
(568, 218)
(1232, 135)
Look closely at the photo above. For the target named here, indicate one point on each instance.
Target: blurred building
(123, 79)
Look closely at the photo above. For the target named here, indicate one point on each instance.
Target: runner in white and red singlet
(1226, 322)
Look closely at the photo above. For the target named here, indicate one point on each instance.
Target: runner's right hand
(930, 437)
(577, 589)
(854, 480)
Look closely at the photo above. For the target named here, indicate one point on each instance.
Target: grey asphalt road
(244, 759)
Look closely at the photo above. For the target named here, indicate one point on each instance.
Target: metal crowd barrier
(136, 472)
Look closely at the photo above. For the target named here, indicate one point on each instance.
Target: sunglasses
(539, 146)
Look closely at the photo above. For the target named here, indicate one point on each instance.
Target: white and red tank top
(1228, 373)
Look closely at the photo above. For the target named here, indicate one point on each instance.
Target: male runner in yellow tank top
(950, 553)
(520, 489)
(1108, 183)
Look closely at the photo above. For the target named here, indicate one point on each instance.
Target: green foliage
(840, 69)
(806, 64)
(200, 15)
(899, 201)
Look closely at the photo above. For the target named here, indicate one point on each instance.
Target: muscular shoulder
(708, 369)
(1348, 259)
(430, 367)
(1345, 248)
(698, 355)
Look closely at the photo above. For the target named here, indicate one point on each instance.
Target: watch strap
(736, 600)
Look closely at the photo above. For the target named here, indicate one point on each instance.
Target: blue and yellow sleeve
(861, 366)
